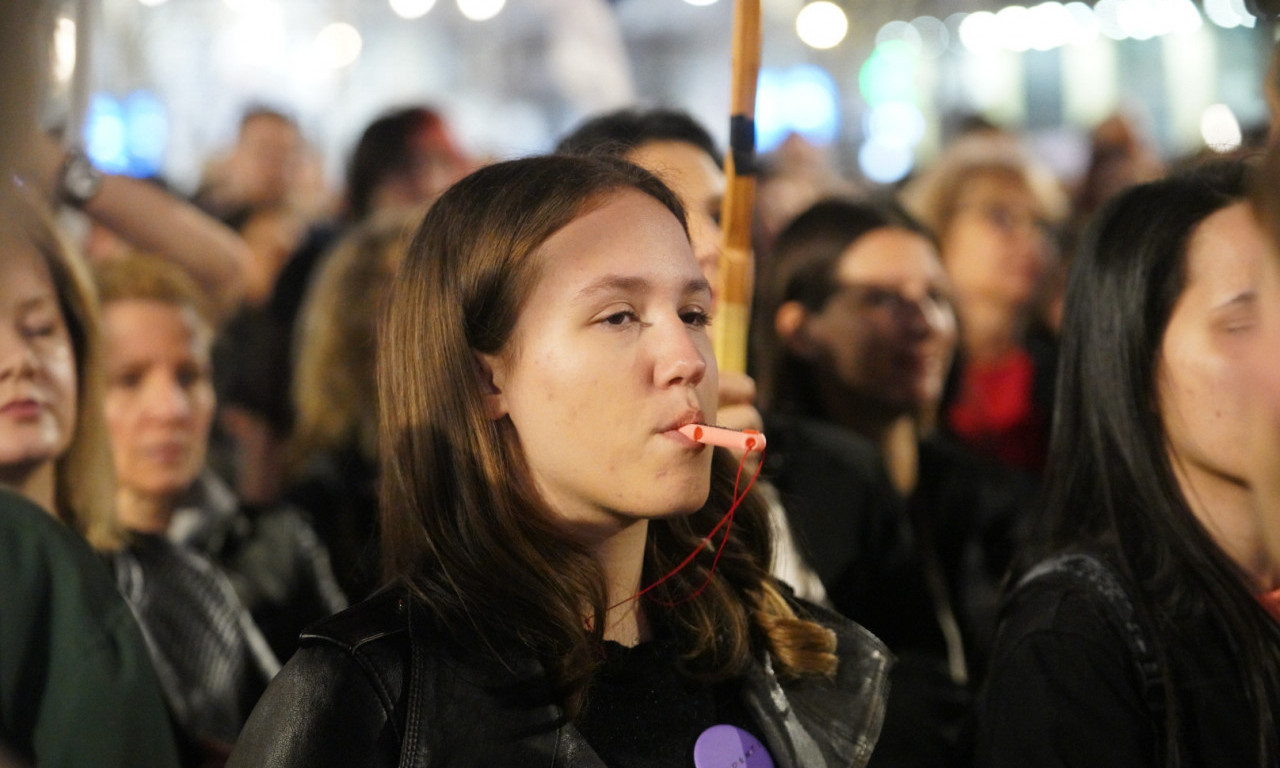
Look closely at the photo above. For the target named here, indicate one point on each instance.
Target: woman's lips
(22, 410)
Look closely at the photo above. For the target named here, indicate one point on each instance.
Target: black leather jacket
(369, 687)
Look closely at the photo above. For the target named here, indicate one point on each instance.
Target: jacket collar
(504, 714)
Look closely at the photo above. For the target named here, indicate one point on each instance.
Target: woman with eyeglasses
(993, 208)
(859, 336)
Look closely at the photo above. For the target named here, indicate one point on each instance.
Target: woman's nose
(168, 399)
(678, 357)
(17, 358)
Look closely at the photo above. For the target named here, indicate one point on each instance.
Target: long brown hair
(464, 526)
(84, 476)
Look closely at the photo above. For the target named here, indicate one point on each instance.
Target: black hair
(802, 267)
(1111, 485)
(617, 133)
(383, 151)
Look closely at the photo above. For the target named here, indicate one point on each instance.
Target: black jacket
(376, 686)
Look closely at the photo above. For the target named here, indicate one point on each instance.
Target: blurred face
(1210, 343)
(610, 356)
(159, 395)
(37, 365)
(889, 332)
(432, 167)
(699, 183)
(996, 247)
(268, 156)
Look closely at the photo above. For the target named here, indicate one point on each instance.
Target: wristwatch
(78, 181)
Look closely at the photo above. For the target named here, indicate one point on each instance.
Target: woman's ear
(791, 323)
(491, 372)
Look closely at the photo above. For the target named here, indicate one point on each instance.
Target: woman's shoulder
(374, 633)
(1073, 593)
(340, 699)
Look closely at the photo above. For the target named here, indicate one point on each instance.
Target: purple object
(724, 746)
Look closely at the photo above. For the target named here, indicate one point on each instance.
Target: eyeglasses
(882, 299)
(1010, 219)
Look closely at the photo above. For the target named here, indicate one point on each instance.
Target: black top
(643, 713)
(1065, 689)
(892, 564)
(380, 685)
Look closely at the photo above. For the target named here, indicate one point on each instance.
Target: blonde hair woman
(334, 445)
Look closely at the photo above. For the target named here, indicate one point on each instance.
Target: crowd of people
(399, 474)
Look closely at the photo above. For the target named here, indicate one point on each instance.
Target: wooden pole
(735, 274)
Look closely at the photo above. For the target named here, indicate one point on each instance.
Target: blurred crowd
(976, 385)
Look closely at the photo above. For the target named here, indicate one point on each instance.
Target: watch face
(80, 180)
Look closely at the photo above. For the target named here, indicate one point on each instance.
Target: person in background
(76, 685)
(333, 450)
(993, 210)
(146, 216)
(1138, 632)
(546, 336)
(159, 406)
(268, 165)
(861, 339)
(403, 160)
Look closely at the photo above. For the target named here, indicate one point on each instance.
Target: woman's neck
(37, 483)
(989, 330)
(144, 514)
(1225, 508)
(896, 434)
(621, 555)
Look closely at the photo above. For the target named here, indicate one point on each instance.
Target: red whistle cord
(726, 522)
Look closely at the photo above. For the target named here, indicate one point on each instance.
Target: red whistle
(746, 440)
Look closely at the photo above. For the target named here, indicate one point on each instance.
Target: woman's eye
(621, 318)
(696, 318)
(127, 381)
(42, 330)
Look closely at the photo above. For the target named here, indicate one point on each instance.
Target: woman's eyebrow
(633, 284)
(1244, 297)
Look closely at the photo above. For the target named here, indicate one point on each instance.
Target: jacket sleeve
(1063, 691)
(325, 708)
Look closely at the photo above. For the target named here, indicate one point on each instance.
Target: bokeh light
(821, 25)
(64, 49)
(481, 10)
(412, 9)
(885, 163)
(338, 45)
(1220, 128)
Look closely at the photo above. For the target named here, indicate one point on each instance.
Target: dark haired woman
(545, 339)
(1142, 639)
(863, 333)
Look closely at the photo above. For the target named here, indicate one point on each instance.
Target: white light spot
(885, 163)
(980, 32)
(1220, 129)
(64, 49)
(338, 45)
(481, 10)
(412, 9)
(821, 25)
(1015, 27)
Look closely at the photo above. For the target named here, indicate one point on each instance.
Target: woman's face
(996, 247)
(888, 333)
(160, 399)
(37, 364)
(610, 355)
(1213, 336)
